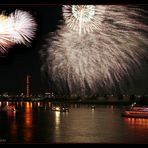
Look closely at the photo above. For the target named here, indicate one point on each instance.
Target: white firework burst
(83, 18)
(81, 58)
(17, 28)
(5, 38)
(23, 27)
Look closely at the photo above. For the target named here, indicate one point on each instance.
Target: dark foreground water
(35, 124)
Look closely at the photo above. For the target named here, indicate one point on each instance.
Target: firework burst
(83, 18)
(96, 47)
(17, 28)
(5, 39)
(23, 28)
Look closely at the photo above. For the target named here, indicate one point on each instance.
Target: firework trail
(17, 28)
(96, 47)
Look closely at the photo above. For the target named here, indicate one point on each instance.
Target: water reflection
(11, 114)
(28, 121)
(7, 103)
(82, 124)
(57, 119)
(14, 129)
(57, 125)
(137, 128)
(141, 122)
(28, 114)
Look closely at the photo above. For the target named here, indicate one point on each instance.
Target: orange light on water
(28, 115)
(137, 121)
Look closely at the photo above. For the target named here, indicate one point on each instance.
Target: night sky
(22, 60)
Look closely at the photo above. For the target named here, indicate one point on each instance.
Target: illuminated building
(28, 86)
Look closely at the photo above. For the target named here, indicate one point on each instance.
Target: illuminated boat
(136, 112)
(60, 109)
(9, 108)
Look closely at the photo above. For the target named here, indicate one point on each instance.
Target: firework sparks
(17, 28)
(95, 47)
(23, 28)
(5, 39)
(83, 18)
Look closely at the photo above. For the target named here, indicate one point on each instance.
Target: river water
(33, 122)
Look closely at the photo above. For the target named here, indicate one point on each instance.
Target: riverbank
(102, 101)
(76, 102)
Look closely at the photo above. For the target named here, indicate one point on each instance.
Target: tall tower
(28, 86)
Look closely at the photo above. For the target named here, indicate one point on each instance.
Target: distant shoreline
(91, 102)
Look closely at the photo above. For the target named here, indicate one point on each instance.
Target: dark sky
(22, 60)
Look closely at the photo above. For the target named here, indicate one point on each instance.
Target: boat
(136, 111)
(93, 107)
(8, 108)
(60, 108)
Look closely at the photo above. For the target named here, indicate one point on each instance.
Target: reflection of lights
(28, 121)
(57, 124)
(92, 111)
(38, 104)
(7, 103)
(28, 115)
(137, 121)
(66, 114)
(92, 108)
(21, 103)
(49, 104)
(31, 104)
(14, 129)
(11, 114)
(57, 118)
(0, 104)
(27, 105)
(57, 108)
(112, 107)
